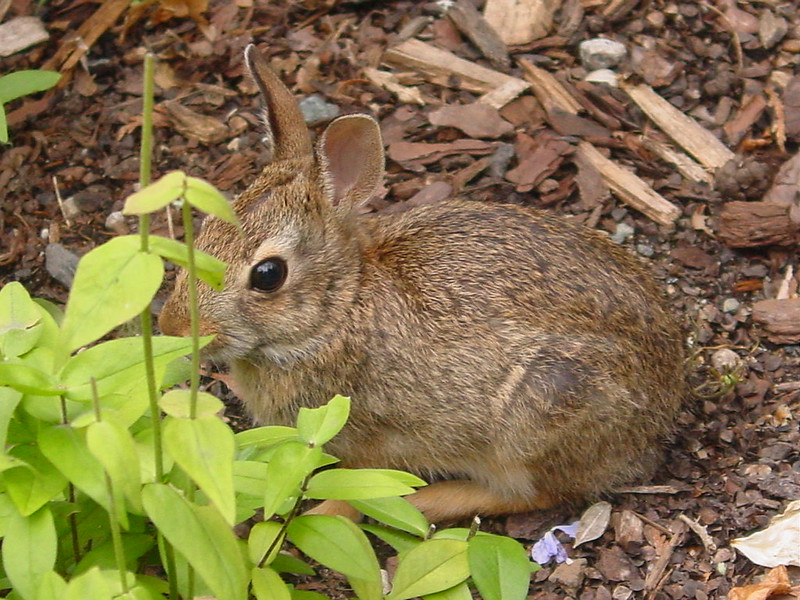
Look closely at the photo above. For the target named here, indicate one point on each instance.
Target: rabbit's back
(504, 341)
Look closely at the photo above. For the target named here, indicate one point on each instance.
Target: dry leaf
(477, 120)
(777, 544)
(775, 583)
(594, 522)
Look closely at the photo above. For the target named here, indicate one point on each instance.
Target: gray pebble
(623, 232)
(60, 263)
(601, 53)
(645, 250)
(730, 305)
(606, 76)
(316, 110)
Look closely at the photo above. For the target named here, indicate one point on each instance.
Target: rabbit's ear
(351, 153)
(285, 124)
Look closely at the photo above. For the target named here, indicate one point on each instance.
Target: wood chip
(549, 90)
(476, 120)
(467, 18)
(75, 44)
(389, 82)
(20, 33)
(687, 133)
(684, 163)
(630, 188)
(745, 118)
(414, 154)
(780, 318)
(519, 22)
(446, 69)
(753, 224)
(191, 124)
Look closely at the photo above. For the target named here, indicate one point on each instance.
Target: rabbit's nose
(174, 318)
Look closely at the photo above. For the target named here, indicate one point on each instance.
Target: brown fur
(526, 360)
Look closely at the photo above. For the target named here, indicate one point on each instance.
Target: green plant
(22, 83)
(105, 478)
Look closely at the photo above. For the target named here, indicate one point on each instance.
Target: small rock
(601, 53)
(645, 250)
(569, 576)
(771, 29)
(316, 110)
(725, 360)
(621, 593)
(606, 76)
(730, 305)
(20, 33)
(116, 223)
(69, 208)
(622, 233)
(60, 263)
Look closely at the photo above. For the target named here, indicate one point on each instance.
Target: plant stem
(113, 516)
(73, 518)
(194, 380)
(145, 158)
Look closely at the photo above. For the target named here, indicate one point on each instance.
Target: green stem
(194, 380)
(113, 515)
(71, 496)
(145, 170)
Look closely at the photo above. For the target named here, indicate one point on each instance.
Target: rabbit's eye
(268, 275)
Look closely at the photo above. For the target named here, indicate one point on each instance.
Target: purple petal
(570, 529)
(546, 548)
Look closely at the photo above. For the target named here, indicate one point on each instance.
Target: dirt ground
(734, 461)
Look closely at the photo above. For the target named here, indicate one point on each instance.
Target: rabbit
(514, 359)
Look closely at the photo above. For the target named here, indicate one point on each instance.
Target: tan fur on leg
(336, 507)
(461, 499)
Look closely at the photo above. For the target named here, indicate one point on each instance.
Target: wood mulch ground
(715, 206)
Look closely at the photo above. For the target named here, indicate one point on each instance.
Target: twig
(702, 533)
(652, 523)
(60, 202)
(655, 579)
(737, 45)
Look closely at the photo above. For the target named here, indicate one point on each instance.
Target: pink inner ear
(347, 150)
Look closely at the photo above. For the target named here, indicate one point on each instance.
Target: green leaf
(399, 540)
(34, 482)
(286, 563)
(397, 512)
(354, 484)
(114, 447)
(262, 537)
(3, 125)
(113, 283)
(432, 566)
(20, 321)
(177, 403)
(459, 592)
(208, 268)
(29, 550)
(91, 584)
(367, 590)
(27, 379)
(118, 365)
(66, 449)
(287, 469)
(250, 477)
(204, 448)
(319, 425)
(500, 567)
(52, 587)
(102, 555)
(203, 536)
(268, 585)
(205, 197)
(265, 436)
(9, 399)
(157, 195)
(28, 81)
(337, 543)
(307, 595)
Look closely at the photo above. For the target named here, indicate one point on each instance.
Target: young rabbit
(512, 357)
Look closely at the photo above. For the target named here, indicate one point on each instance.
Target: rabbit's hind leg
(463, 499)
